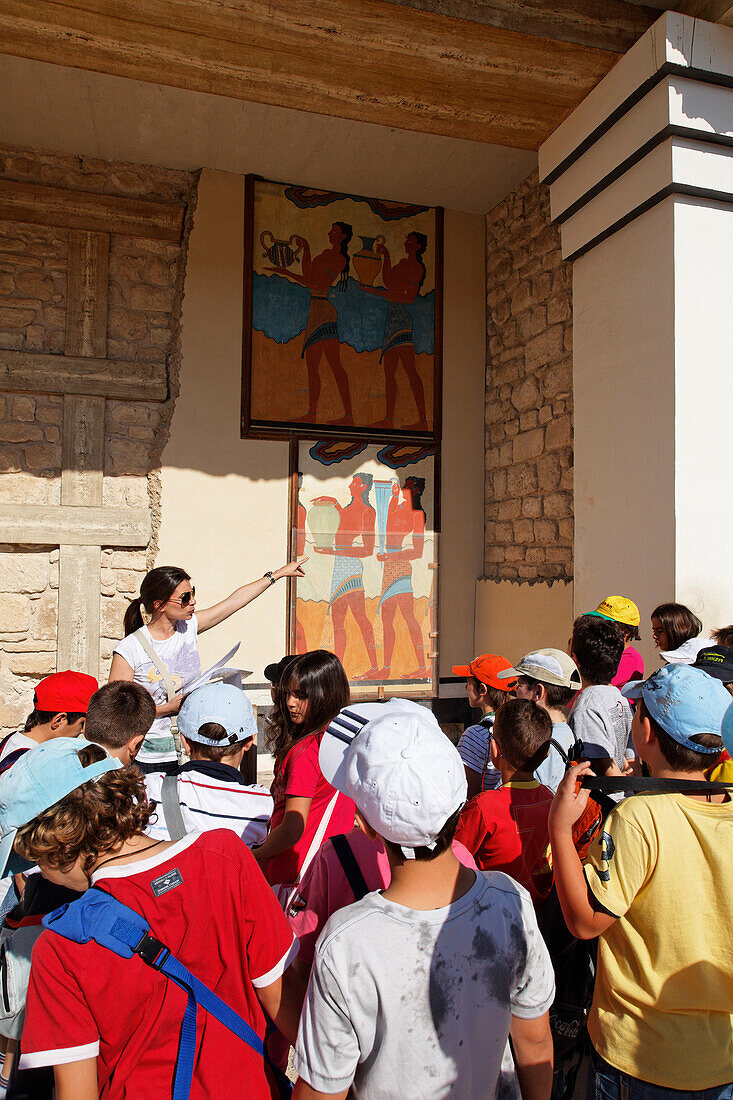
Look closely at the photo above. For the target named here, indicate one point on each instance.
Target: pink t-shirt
(325, 888)
(630, 667)
(301, 777)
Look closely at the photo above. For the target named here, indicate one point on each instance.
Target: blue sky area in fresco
(280, 311)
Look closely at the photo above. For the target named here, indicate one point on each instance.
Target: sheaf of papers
(220, 671)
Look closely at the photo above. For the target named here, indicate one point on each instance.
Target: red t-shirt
(506, 830)
(300, 777)
(217, 914)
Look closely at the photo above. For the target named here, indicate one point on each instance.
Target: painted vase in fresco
(322, 522)
(280, 253)
(368, 263)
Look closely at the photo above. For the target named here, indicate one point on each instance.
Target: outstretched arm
(584, 920)
(212, 616)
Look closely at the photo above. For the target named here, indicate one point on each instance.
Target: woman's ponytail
(133, 617)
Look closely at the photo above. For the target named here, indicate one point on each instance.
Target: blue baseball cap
(726, 730)
(37, 780)
(222, 703)
(684, 701)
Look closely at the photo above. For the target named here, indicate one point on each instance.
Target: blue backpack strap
(100, 917)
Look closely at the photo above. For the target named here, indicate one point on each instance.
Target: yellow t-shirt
(722, 773)
(663, 1004)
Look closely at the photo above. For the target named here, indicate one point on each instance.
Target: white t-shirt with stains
(404, 1002)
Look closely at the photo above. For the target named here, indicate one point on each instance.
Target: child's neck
(486, 709)
(132, 850)
(510, 774)
(660, 769)
(584, 683)
(556, 715)
(424, 886)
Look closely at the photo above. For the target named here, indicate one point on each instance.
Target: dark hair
(319, 677)
(118, 712)
(417, 488)
(723, 635)
(215, 732)
(422, 244)
(368, 480)
(348, 233)
(522, 730)
(557, 695)
(157, 587)
(678, 623)
(494, 696)
(91, 820)
(597, 646)
(43, 717)
(630, 633)
(442, 842)
(679, 756)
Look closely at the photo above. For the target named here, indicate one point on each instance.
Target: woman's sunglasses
(185, 599)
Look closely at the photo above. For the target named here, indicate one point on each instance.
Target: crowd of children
(174, 930)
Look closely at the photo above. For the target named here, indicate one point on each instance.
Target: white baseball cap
(402, 772)
(549, 666)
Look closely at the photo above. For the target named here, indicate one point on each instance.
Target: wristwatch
(272, 579)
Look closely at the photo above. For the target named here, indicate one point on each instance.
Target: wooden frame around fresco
(289, 429)
(361, 689)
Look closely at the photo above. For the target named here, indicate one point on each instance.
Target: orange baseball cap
(485, 668)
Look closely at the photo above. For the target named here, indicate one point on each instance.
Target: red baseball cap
(485, 668)
(65, 692)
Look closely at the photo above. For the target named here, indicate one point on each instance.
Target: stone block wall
(145, 291)
(529, 393)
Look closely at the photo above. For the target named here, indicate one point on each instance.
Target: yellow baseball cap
(620, 609)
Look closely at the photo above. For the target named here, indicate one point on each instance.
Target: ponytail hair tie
(145, 615)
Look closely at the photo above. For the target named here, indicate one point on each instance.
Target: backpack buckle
(151, 951)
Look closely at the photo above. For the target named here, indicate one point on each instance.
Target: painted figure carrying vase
(367, 261)
(281, 253)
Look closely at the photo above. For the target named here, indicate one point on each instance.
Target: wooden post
(80, 580)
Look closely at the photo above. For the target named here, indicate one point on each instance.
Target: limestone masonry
(144, 298)
(529, 393)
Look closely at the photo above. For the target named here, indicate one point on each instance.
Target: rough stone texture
(143, 324)
(529, 393)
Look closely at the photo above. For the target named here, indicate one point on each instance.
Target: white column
(641, 179)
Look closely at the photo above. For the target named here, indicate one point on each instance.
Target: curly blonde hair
(91, 821)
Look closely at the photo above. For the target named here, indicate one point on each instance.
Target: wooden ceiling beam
(368, 60)
(601, 24)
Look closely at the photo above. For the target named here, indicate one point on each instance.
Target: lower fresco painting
(365, 514)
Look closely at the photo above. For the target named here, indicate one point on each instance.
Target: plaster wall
(225, 499)
(703, 242)
(624, 400)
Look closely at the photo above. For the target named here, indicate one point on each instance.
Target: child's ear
(365, 827)
(495, 753)
(248, 744)
(185, 743)
(133, 745)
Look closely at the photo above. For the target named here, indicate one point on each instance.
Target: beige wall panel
(513, 619)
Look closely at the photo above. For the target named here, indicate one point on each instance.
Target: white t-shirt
(17, 741)
(601, 718)
(181, 657)
(552, 768)
(213, 795)
(404, 1002)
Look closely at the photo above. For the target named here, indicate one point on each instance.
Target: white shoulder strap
(314, 846)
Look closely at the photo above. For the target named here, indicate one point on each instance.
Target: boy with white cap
(549, 678)
(217, 727)
(656, 890)
(415, 990)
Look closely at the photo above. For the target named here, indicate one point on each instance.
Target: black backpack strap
(351, 868)
(635, 784)
(11, 757)
(573, 755)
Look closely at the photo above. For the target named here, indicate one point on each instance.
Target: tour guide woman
(159, 650)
